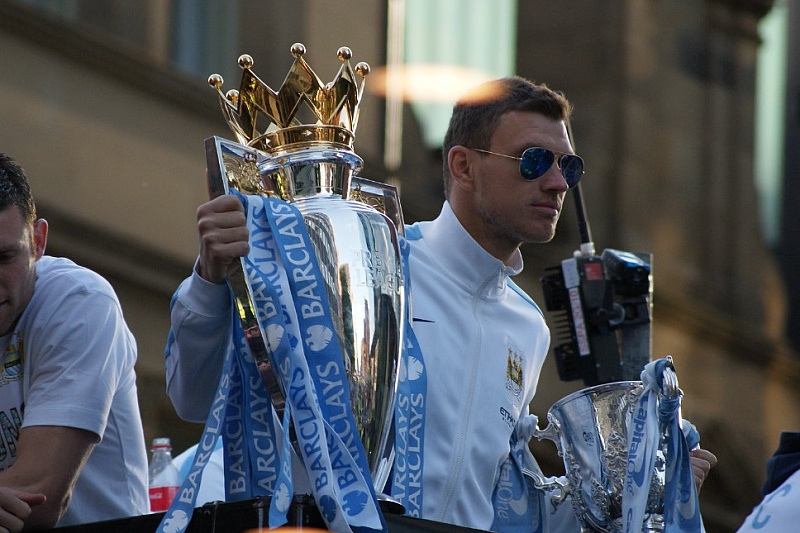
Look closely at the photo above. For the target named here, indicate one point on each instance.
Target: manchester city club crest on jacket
(514, 375)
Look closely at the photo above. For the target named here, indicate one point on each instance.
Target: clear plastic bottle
(163, 475)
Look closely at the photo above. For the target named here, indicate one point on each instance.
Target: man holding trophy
(479, 340)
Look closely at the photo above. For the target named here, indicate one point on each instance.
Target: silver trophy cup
(590, 430)
(352, 224)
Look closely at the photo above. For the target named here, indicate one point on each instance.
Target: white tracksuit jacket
(483, 341)
(475, 329)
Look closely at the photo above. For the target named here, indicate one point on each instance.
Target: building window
(770, 117)
(193, 37)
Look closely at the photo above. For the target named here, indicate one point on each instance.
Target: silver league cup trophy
(590, 429)
(352, 224)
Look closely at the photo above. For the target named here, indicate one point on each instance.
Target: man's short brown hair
(476, 114)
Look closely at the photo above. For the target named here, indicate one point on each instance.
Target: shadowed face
(511, 209)
(21, 245)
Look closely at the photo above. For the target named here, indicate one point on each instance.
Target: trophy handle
(670, 384)
(560, 487)
(233, 166)
(383, 197)
(551, 432)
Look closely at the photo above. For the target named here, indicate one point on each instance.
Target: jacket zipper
(456, 472)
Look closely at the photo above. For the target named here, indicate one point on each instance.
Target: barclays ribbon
(264, 274)
(268, 280)
(235, 450)
(251, 458)
(262, 438)
(278, 320)
(250, 438)
(315, 379)
(409, 414)
(288, 292)
(267, 284)
(176, 519)
(282, 497)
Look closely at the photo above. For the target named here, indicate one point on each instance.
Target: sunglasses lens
(571, 168)
(535, 162)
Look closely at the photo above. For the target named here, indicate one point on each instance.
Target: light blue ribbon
(323, 420)
(681, 508)
(251, 460)
(681, 504)
(409, 415)
(518, 507)
(643, 443)
(176, 519)
(236, 459)
(268, 471)
(242, 412)
(258, 440)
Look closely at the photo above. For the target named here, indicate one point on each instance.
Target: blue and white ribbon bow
(649, 420)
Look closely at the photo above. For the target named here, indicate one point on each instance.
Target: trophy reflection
(312, 165)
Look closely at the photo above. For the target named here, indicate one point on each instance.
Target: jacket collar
(466, 260)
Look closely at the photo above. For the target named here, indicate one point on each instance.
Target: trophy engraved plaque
(352, 224)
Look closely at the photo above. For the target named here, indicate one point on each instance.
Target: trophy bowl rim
(595, 389)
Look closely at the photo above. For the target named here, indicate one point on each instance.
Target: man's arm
(79, 358)
(49, 460)
(200, 311)
(196, 344)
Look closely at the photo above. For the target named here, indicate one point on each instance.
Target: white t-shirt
(778, 512)
(70, 362)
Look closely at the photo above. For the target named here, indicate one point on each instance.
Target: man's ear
(39, 237)
(460, 161)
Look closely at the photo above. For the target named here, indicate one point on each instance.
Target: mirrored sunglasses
(536, 161)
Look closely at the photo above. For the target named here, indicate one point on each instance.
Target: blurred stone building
(105, 103)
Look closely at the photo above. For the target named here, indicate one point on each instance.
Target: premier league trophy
(352, 226)
(601, 435)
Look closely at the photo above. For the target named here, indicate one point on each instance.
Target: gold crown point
(232, 96)
(215, 80)
(362, 69)
(245, 61)
(344, 53)
(298, 50)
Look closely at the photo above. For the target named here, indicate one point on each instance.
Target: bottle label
(161, 497)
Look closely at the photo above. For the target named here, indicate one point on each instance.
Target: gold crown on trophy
(268, 120)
